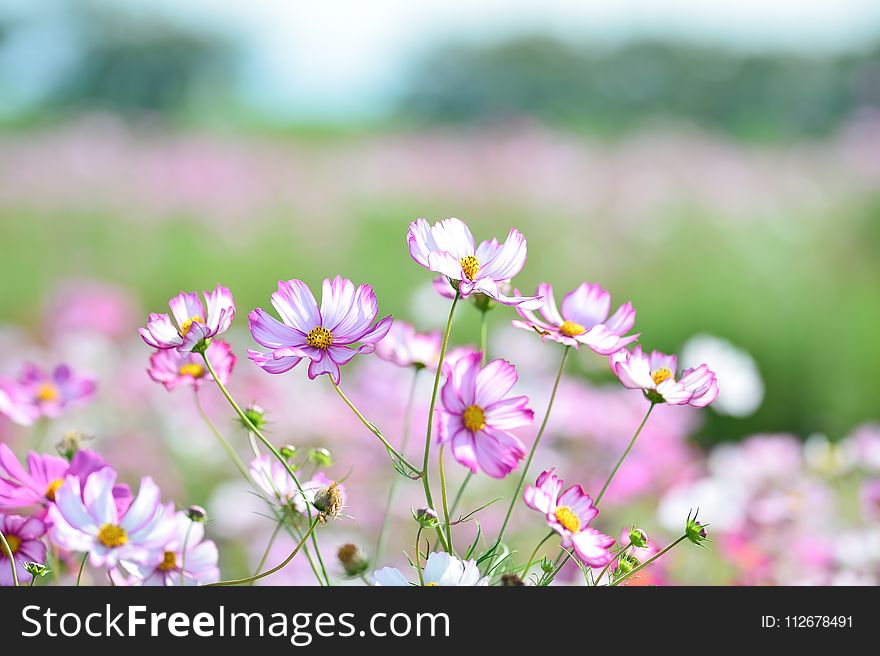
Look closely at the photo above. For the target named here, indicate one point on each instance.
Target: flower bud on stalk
(256, 415)
(328, 502)
(695, 531)
(196, 514)
(426, 517)
(321, 457)
(352, 559)
(36, 569)
(638, 538)
(70, 444)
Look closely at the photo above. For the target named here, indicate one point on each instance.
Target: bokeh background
(716, 163)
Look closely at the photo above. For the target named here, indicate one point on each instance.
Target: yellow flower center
(660, 375)
(430, 584)
(169, 561)
(571, 329)
(14, 543)
(474, 418)
(319, 338)
(111, 535)
(568, 519)
(193, 369)
(52, 488)
(470, 266)
(186, 325)
(48, 392)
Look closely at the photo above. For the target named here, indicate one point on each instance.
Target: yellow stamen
(14, 543)
(111, 535)
(193, 369)
(169, 561)
(52, 488)
(660, 375)
(474, 418)
(186, 325)
(320, 338)
(470, 266)
(571, 329)
(569, 520)
(430, 584)
(48, 392)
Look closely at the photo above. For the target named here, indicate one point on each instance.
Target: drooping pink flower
(569, 513)
(407, 348)
(583, 320)
(33, 489)
(87, 519)
(185, 555)
(37, 393)
(173, 369)
(326, 336)
(23, 536)
(448, 248)
(654, 374)
(478, 415)
(193, 321)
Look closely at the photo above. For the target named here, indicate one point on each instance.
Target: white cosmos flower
(441, 569)
(742, 389)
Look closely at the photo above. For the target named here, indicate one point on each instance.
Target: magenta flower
(569, 513)
(407, 348)
(326, 336)
(173, 369)
(38, 394)
(448, 248)
(23, 535)
(655, 375)
(477, 415)
(192, 323)
(584, 319)
(87, 519)
(33, 489)
(185, 555)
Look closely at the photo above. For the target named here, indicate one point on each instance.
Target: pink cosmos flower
(173, 369)
(584, 319)
(407, 348)
(38, 394)
(33, 489)
(23, 535)
(477, 415)
(569, 513)
(186, 554)
(192, 322)
(272, 478)
(326, 336)
(655, 375)
(87, 519)
(448, 248)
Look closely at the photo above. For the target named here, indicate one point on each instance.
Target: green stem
(40, 432)
(649, 561)
(419, 558)
(263, 575)
(320, 560)
(374, 430)
(428, 497)
(623, 457)
(444, 501)
(535, 552)
(537, 441)
(484, 336)
(82, 566)
(407, 420)
(8, 551)
(239, 465)
(269, 546)
(620, 552)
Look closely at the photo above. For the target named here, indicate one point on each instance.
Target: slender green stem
(374, 430)
(460, 493)
(40, 432)
(648, 562)
(620, 552)
(525, 470)
(427, 485)
(407, 420)
(183, 554)
(418, 557)
(282, 565)
(269, 546)
(239, 465)
(535, 552)
(8, 551)
(444, 501)
(256, 431)
(82, 566)
(623, 457)
(33, 580)
(321, 560)
(484, 336)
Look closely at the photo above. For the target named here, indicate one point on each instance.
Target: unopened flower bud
(511, 580)
(36, 569)
(626, 564)
(321, 457)
(482, 302)
(638, 538)
(352, 559)
(694, 530)
(255, 415)
(547, 565)
(70, 444)
(288, 451)
(328, 502)
(426, 517)
(196, 514)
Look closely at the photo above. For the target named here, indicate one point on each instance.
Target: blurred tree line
(746, 95)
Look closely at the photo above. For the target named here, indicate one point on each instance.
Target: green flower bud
(638, 538)
(352, 559)
(321, 457)
(36, 569)
(547, 565)
(288, 451)
(70, 444)
(196, 514)
(694, 530)
(426, 517)
(256, 415)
